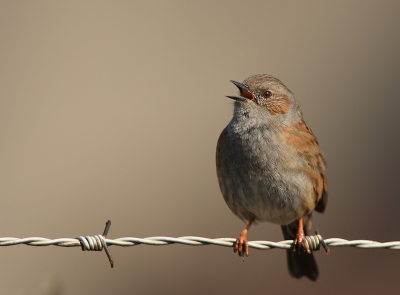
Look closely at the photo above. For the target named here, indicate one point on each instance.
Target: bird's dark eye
(267, 94)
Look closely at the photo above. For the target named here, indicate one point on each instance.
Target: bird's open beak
(245, 93)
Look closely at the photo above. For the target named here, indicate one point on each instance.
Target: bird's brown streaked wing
(307, 147)
(321, 206)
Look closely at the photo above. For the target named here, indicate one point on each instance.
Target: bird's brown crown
(269, 92)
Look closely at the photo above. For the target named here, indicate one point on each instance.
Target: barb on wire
(98, 242)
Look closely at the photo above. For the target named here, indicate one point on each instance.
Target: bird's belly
(260, 179)
(263, 194)
(263, 201)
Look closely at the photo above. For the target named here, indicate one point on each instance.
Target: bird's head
(266, 98)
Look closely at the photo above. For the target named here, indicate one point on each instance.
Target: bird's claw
(300, 244)
(242, 246)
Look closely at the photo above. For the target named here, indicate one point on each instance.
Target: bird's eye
(267, 94)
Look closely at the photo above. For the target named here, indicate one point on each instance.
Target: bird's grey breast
(262, 186)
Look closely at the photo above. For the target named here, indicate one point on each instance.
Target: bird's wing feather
(307, 148)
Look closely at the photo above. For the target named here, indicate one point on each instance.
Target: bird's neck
(250, 116)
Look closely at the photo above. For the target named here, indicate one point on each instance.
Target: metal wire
(89, 243)
(195, 241)
(99, 242)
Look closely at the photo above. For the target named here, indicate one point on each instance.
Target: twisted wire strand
(100, 242)
(193, 241)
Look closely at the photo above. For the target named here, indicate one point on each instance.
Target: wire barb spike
(97, 243)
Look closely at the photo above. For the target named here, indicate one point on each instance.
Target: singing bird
(270, 167)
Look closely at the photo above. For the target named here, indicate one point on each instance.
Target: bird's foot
(241, 245)
(300, 244)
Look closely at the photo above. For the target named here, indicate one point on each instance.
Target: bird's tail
(300, 264)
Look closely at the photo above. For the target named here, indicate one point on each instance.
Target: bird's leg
(241, 245)
(299, 243)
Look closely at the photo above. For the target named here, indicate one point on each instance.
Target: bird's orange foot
(300, 243)
(241, 245)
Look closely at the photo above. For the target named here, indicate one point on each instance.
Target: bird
(270, 167)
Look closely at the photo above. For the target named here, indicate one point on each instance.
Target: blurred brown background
(112, 110)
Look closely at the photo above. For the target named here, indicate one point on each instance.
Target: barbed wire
(194, 241)
(98, 242)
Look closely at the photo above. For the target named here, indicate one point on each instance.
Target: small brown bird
(270, 168)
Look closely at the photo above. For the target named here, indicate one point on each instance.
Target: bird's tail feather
(300, 264)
